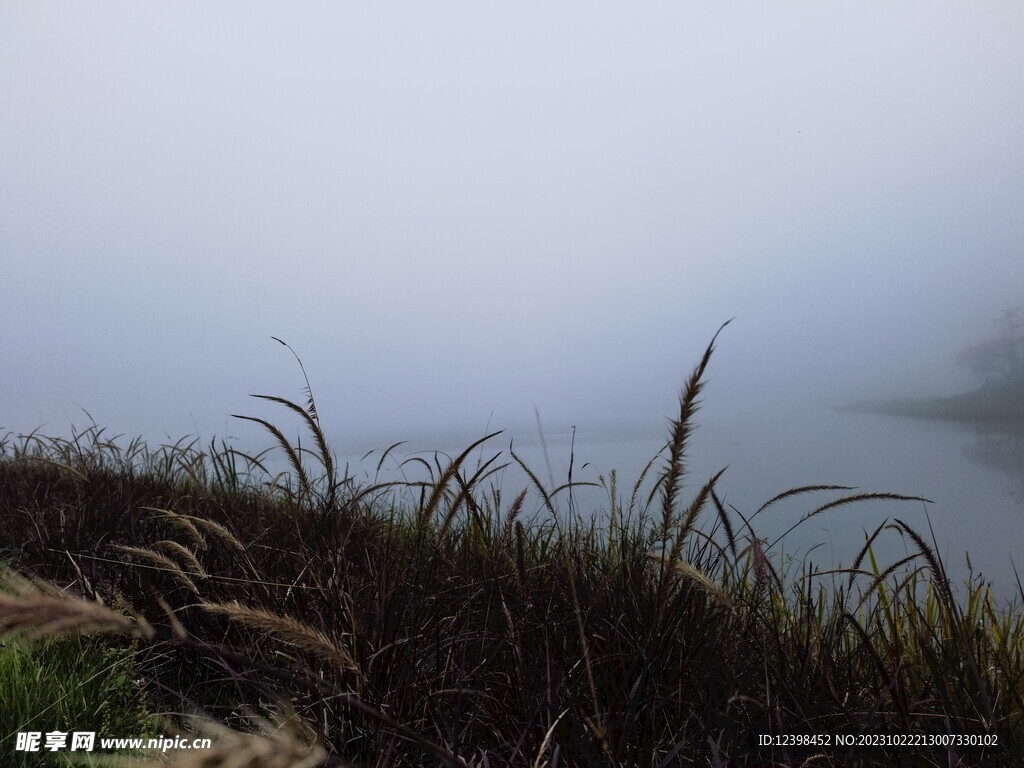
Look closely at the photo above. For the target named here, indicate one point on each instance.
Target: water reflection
(1001, 448)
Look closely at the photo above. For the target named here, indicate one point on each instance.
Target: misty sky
(453, 209)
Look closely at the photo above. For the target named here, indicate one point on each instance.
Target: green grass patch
(68, 684)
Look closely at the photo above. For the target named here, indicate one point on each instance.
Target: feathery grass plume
(694, 575)
(681, 429)
(383, 456)
(439, 487)
(819, 759)
(31, 609)
(691, 515)
(930, 556)
(851, 499)
(288, 630)
(186, 555)
(723, 517)
(510, 516)
(285, 743)
(324, 456)
(466, 490)
(419, 460)
(310, 402)
(796, 492)
(177, 628)
(762, 565)
(214, 528)
(293, 454)
(464, 496)
(184, 522)
(520, 552)
(163, 562)
(535, 480)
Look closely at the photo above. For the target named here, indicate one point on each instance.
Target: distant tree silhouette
(1000, 359)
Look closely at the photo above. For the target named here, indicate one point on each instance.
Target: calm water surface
(973, 475)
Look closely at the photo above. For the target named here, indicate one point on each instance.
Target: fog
(459, 214)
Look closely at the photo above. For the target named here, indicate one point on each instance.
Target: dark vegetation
(458, 629)
(990, 403)
(997, 363)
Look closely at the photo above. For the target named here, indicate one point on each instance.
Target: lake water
(973, 475)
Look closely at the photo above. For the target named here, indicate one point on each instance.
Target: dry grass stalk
(510, 516)
(30, 612)
(696, 576)
(187, 556)
(288, 630)
(285, 746)
(161, 560)
(184, 522)
(440, 488)
(218, 530)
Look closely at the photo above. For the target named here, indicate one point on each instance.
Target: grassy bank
(461, 629)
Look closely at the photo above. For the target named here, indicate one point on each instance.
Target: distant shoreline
(992, 403)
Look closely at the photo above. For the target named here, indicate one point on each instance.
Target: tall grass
(451, 630)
